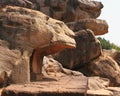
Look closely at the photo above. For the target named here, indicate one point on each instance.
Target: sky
(111, 13)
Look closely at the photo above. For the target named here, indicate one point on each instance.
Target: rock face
(65, 10)
(26, 29)
(20, 26)
(116, 57)
(87, 48)
(99, 27)
(114, 54)
(53, 68)
(30, 35)
(12, 65)
(105, 66)
(109, 52)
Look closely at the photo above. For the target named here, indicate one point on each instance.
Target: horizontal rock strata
(99, 27)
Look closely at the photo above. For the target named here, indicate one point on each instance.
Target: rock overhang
(34, 34)
(33, 29)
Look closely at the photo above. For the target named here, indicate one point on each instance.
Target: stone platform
(63, 86)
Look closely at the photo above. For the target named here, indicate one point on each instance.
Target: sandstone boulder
(99, 27)
(105, 66)
(87, 49)
(25, 29)
(52, 67)
(34, 34)
(65, 10)
(80, 9)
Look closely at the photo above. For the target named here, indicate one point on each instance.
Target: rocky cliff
(27, 35)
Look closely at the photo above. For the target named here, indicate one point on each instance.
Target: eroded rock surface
(105, 66)
(65, 10)
(64, 86)
(13, 65)
(99, 27)
(33, 33)
(116, 56)
(54, 68)
(25, 29)
(87, 48)
(97, 83)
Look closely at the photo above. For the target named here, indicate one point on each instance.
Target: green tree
(107, 45)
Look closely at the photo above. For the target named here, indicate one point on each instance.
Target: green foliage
(115, 47)
(107, 45)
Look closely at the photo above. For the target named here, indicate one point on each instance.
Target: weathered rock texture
(116, 56)
(115, 90)
(87, 49)
(105, 66)
(33, 33)
(96, 83)
(13, 66)
(65, 10)
(64, 86)
(100, 92)
(109, 52)
(99, 27)
(52, 67)
(98, 86)
(25, 29)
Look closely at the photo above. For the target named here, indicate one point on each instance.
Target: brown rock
(99, 27)
(116, 56)
(0, 91)
(87, 49)
(22, 3)
(68, 10)
(63, 86)
(115, 90)
(3, 78)
(109, 52)
(100, 92)
(75, 9)
(13, 66)
(54, 68)
(4, 43)
(29, 30)
(105, 66)
(21, 28)
(97, 83)
(90, 9)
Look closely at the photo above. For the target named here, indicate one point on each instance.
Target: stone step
(63, 86)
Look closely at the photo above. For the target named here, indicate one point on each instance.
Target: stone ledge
(100, 92)
(63, 86)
